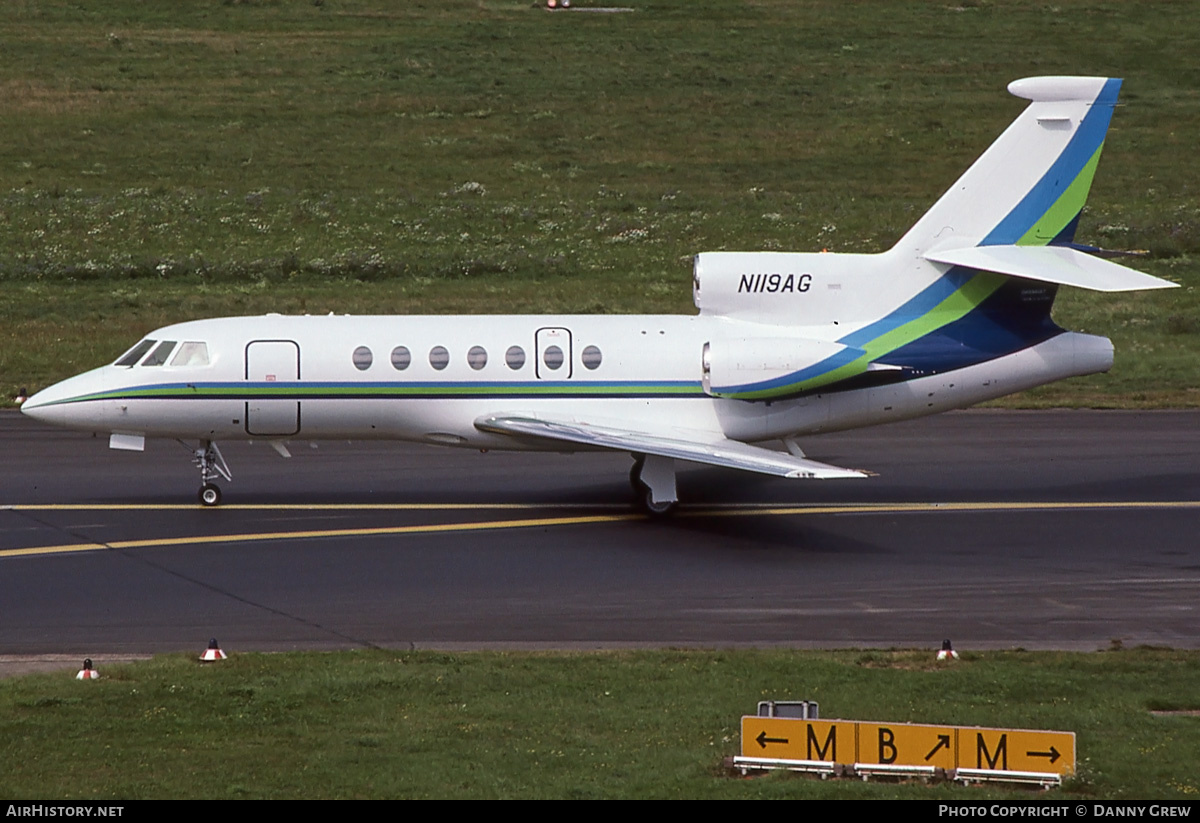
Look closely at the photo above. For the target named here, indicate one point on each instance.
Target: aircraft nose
(35, 406)
(45, 405)
(62, 404)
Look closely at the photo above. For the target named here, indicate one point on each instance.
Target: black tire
(210, 495)
(663, 508)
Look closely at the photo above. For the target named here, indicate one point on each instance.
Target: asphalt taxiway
(1057, 529)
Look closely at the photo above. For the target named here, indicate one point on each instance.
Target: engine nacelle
(758, 368)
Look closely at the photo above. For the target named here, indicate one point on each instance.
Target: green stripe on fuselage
(300, 391)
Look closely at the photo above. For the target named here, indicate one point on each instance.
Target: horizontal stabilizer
(714, 451)
(1051, 264)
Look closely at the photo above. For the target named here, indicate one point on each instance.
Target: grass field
(619, 724)
(164, 161)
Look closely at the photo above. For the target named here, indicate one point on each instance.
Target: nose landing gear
(212, 465)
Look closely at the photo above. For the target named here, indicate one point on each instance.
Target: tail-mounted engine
(759, 368)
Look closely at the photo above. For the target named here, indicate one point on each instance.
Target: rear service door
(272, 371)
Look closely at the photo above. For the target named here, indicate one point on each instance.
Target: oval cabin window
(477, 357)
(591, 357)
(439, 358)
(514, 357)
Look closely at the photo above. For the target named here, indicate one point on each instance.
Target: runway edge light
(87, 672)
(213, 653)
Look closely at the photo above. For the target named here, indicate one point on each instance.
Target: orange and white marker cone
(87, 672)
(212, 653)
(947, 652)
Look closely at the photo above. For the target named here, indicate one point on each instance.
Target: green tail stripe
(1065, 208)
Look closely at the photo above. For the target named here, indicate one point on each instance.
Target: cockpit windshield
(132, 356)
(154, 353)
(160, 354)
(191, 353)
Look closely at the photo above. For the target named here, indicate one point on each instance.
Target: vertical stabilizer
(1028, 188)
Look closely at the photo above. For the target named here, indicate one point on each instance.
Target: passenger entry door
(552, 360)
(272, 367)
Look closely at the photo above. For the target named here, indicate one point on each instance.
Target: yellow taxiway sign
(852, 742)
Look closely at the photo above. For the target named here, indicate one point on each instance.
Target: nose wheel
(210, 495)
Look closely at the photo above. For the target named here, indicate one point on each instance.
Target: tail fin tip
(1102, 90)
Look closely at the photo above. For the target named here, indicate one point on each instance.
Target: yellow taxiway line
(252, 537)
(730, 510)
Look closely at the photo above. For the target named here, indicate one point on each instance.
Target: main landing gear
(212, 466)
(653, 481)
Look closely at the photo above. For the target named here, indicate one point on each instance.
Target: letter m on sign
(1000, 755)
(826, 750)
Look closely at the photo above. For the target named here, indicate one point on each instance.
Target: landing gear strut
(653, 481)
(212, 465)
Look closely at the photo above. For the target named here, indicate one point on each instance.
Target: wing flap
(1051, 264)
(705, 448)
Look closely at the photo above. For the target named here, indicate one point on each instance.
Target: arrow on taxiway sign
(943, 741)
(1053, 754)
(763, 740)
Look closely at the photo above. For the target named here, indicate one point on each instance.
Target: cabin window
(160, 354)
(439, 358)
(477, 357)
(553, 357)
(515, 357)
(591, 357)
(135, 354)
(362, 358)
(401, 358)
(191, 353)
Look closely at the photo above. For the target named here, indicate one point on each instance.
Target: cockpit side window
(191, 353)
(135, 354)
(160, 354)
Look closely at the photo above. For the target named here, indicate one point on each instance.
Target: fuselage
(424, 378)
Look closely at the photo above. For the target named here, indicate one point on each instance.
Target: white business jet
(785, 344)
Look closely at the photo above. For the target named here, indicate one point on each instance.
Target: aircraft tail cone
(87, 672)
(213, 653)
(947, 652)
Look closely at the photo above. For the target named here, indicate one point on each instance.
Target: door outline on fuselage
(546, 337)
(272, 361)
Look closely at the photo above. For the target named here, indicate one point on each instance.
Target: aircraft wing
(706, 448)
